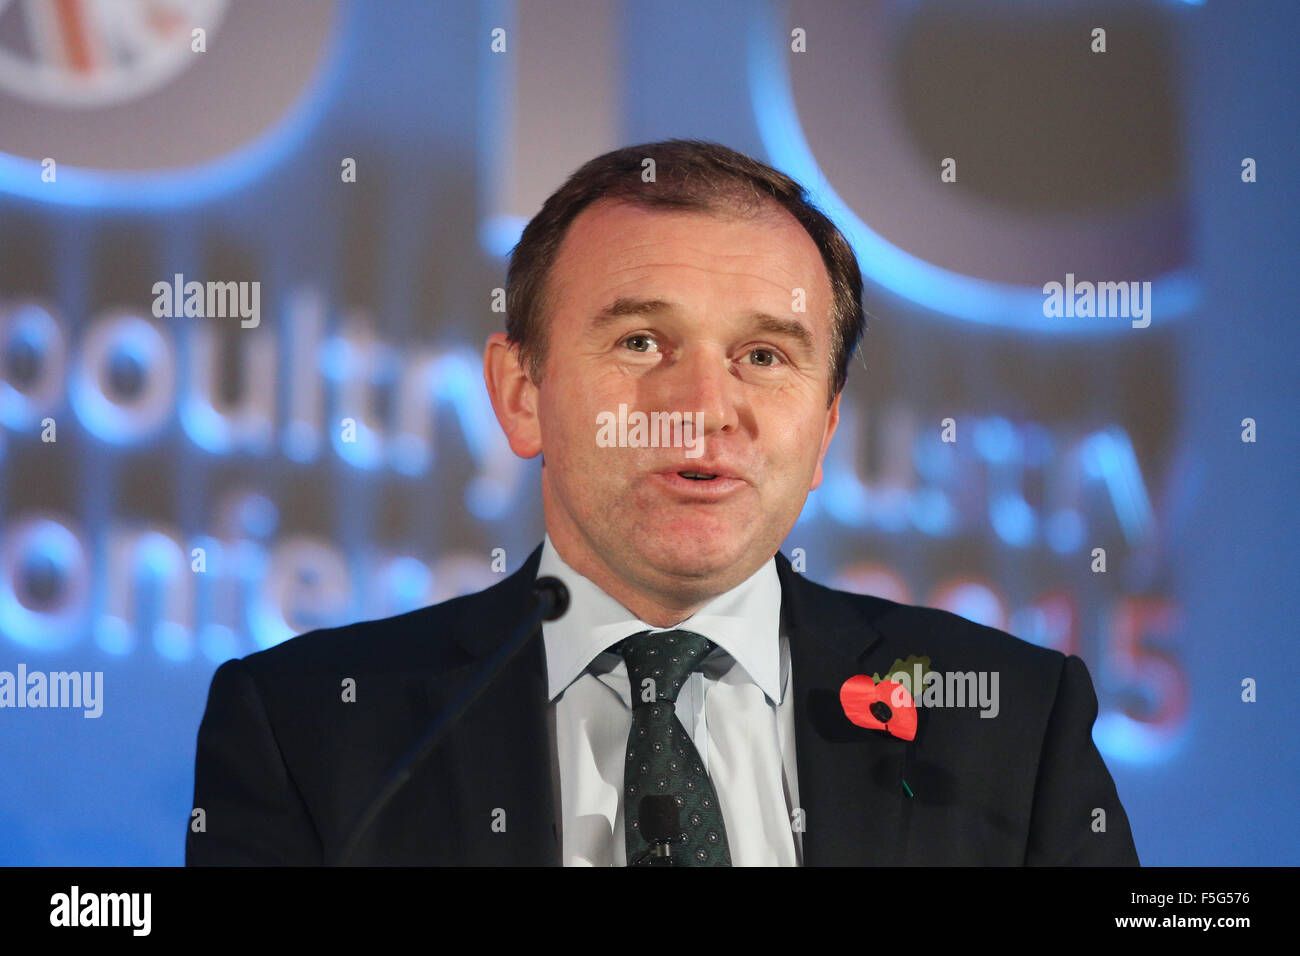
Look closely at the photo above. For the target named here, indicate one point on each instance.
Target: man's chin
(694, 560)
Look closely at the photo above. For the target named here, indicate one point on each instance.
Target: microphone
(658, 823)
(552, 602)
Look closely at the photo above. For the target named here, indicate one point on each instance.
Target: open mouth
(690, 485)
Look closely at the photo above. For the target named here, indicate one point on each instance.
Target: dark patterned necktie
(661, 759)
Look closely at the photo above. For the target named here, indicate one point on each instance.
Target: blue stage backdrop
(1073, 415)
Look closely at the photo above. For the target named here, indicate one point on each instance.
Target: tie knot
(666, 658)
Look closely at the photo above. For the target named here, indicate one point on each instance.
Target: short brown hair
(689, 175)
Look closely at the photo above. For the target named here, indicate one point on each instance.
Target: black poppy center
(880, 710)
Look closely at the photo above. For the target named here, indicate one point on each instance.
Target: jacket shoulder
(957, 642)
(426, 637)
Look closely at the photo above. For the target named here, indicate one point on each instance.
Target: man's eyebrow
(763, 321)
(626, 305)
(793, 328)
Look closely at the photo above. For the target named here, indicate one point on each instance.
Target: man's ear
(513, 395)
(832, 421)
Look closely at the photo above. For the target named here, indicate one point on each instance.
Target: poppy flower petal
(904, 723)
(857, 694)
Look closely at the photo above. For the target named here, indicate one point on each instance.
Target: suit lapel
(850, 778)
(499, 757)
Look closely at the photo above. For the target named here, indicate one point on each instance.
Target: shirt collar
(744, 622)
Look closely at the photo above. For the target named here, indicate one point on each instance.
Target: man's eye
(633, 340)
(769, 358)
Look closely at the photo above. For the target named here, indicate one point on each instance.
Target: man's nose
(701, 380)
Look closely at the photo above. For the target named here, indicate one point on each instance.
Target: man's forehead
(610, 244)
(624, 227)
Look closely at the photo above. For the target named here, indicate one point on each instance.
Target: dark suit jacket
(284, 765)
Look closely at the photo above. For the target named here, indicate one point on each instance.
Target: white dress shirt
(736, 709)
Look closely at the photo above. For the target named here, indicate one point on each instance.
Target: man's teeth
(698, 475)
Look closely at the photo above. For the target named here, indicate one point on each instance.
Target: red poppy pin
(884, 705)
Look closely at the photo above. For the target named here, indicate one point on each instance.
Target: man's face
(711, 322)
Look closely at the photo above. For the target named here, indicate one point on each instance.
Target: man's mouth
(696, 485)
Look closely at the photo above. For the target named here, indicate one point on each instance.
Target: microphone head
(657, 819)
(551, 591)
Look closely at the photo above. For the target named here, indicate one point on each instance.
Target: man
(684, 281)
